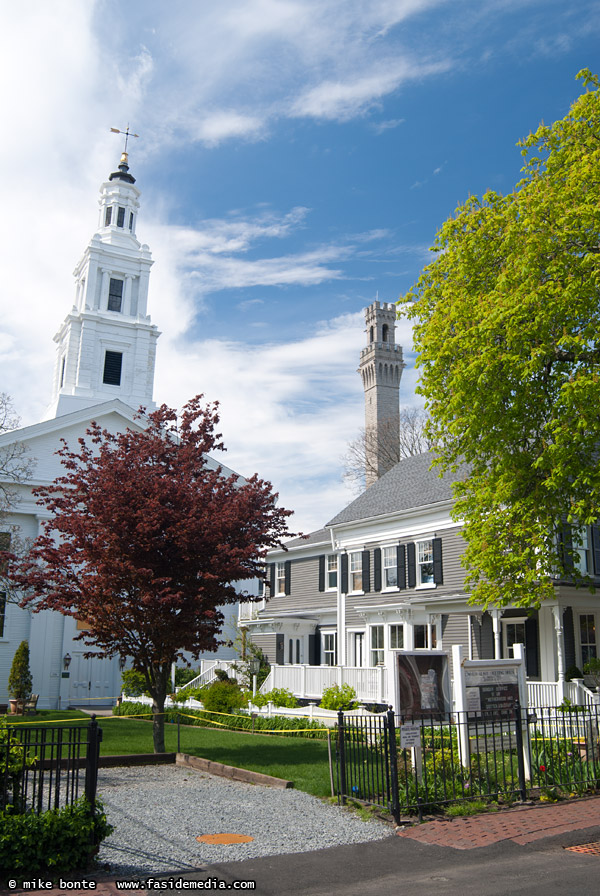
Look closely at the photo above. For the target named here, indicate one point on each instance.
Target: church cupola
(107, 343)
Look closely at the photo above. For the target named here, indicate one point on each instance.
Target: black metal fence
(46, 767)
(504, 756)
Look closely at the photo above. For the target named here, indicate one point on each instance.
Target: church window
(113, 362)
(371, 334)
(108, 215)
(115, 294)
(120, 216)
(131, 221)
(62, 372)
(384, 332)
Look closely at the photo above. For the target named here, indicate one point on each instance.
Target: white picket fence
(309, 682)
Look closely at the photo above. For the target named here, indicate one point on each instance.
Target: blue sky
(295, 161)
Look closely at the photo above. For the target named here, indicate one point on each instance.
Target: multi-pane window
(389, 561)
(108, 215)
(581, 550)
(424, 637)
(329, 651)
(425, 562)
(113, 363)
(115, 294)
(377, 656)
(514, 633)
(280, 578)
(332, 572)
(120, 216)
(587, 634)
(131, 221)
(356, 582)
(396, 637)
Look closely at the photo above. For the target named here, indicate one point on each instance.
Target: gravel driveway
(158, 811)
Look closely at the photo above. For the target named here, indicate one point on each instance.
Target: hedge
(301, 727)
(55, 842)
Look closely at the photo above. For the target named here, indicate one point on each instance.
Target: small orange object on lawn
(224, 839)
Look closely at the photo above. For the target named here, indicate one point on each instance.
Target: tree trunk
(159, 694)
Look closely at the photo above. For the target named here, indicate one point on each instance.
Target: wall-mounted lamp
(66, 661)
(122, 662)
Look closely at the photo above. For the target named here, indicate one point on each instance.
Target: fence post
(91, 765)
(520, 754)
(393, 759)
(342, 756)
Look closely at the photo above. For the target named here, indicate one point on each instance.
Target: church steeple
(107, 343)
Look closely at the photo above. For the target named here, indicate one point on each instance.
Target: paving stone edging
(228, 771)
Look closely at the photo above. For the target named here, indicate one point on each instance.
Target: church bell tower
(381, 366)
(107, 342)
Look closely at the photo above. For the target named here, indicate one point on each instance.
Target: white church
(104, 371)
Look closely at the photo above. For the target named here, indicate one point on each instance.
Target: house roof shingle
(409, 484)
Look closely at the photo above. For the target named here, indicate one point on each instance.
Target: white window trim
(329, 587)
(510, 620)
(324, 633)
(280, 580)
(351, 573)
(578, 613)
(372, 650)
(423, 586)
(387, 588)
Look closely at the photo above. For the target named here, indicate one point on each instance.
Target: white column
(104, 290)
(560, 651)
(496, 615)
(127, 297)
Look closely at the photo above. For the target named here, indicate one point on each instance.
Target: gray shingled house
(385, 574)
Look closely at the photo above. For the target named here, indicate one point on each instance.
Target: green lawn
(296, 759)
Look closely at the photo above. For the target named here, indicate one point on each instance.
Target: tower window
(120, 216)
(115, 294)
(384, 333)
(371, 334)
(62, 372)
(113, 362)
(108, 215)
(131, 221)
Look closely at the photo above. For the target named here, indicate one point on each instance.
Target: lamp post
(254, 666)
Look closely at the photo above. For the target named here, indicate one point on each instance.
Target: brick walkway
(521, 825)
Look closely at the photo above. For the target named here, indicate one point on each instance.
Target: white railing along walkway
(309, 682)
(543, 694)
(209, 673)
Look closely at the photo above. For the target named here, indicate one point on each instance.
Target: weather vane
(127, 133)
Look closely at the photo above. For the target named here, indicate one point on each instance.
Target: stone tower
(107, 342)
(381, 366)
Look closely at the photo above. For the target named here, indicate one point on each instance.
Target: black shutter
(344, 573)
(566, 544)
(377, 569)
(569, 637)
(113, 362)
(366, 571)
(272, 579)
(322, 572)
(411, 564)
(314, 654)
(279, 650)
(596, 548)
(401, 560)
(532, 663)
(287, 571)
(438, 572)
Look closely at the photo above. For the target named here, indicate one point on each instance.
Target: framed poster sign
(423, 684)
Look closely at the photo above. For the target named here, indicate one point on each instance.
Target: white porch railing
(305, 681)
(551, 693)
(209, 673)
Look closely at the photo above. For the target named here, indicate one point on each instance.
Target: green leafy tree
(507, 324)
(19, 679)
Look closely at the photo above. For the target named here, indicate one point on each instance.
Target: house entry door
(359, 646)
(91, 680)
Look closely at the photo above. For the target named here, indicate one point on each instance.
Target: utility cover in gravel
(159, 811)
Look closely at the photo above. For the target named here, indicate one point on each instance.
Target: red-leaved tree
(147, 540)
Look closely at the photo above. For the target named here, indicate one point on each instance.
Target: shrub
(19, 680)
(221, 675)
(57, 841)
(278, 697)
(133, 683)
(337, 697)
(223, 696)
(184, 674)
(573, 672)
(189, 693)
(592, 667)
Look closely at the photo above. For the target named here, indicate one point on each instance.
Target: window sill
(427, 586)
